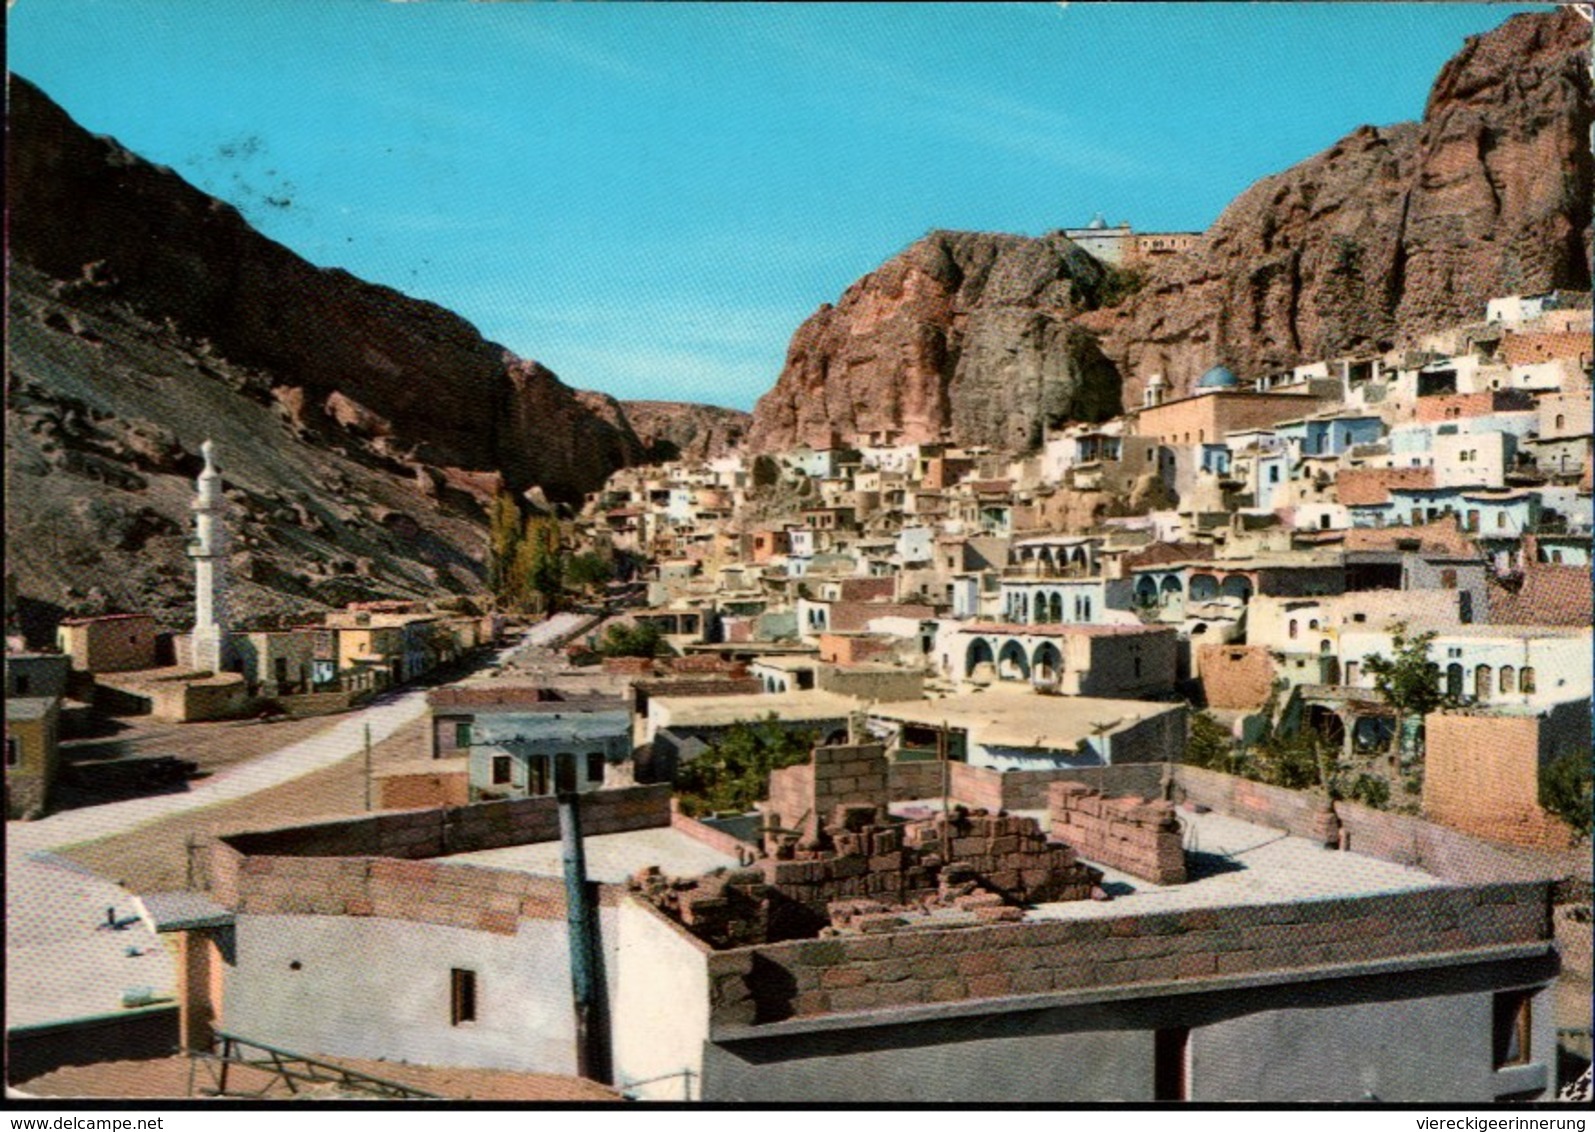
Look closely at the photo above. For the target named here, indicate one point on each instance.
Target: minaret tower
(209, 552)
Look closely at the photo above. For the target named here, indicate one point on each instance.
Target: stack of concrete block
(1137, 837)
(724, 909)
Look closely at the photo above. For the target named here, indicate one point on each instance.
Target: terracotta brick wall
(1296, 812)
(1137, 837)
(1235, 677)
(912, 781)
(435, 833)
(423, 791)
(809, 978)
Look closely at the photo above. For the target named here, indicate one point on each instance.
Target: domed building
(1219, 377)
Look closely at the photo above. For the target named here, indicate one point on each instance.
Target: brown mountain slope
(682, 430)
(415, 371)
(962, 331)
(358, 429)
(1390, 232)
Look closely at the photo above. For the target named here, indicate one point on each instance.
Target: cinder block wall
(808, 978)
(374, 866)
(1140, 838)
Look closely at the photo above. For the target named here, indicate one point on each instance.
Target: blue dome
(1219, 377)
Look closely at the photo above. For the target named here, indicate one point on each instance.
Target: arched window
(1293, 628)
(1561, 421)
(1448, 579)
(1453, 681)
(1323, 646)
(1481, 682)
(1500, 520)
(1526, 683)
(1313, 625)
(1508, 680)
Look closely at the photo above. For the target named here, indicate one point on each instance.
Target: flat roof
(612, 858)
(22, 708)
(1056, 630)
(718, 711)
(1233, 862)
(1022, 718)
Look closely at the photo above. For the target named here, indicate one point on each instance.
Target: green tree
(589, 570)
(504, 539)
(1297, 761)
(1408, 680)
(734, 773)
(540, 565)
(1210, 745)
(1566, 790)
(641, 639)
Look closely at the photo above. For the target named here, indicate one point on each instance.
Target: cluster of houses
(994, 860)
(1246, 548)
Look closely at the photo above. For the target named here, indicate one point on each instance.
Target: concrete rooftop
(1021, 718)
(611, 857)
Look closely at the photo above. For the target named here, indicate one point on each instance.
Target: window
(1473, 520)
(1500, 520)
(462, 996)
(1273, 475)
(1526, 680)
(537, 775)
(1481, 682)
(564, 773)
(1511, 1031)
(462, 734)
(1465, 607)
(595, 766)
(1508, 679)
(1313, 625)
(1171, 1064)
(13, 751)
(1351, 672)
(23, 683)
(1561, 421)
(1138, 667)
(1293, 628)
(1448, 579)
(501, 769)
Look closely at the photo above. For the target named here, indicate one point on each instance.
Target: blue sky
(649, 198)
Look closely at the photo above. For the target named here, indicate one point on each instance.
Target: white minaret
(1154, 392)
(209, 552)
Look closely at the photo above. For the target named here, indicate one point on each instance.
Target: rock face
(964, 333)
(1390, 232)
(681, 430)
(87, 212)
(359, 431)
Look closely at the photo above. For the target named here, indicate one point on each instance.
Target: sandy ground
(171, 1076)
(154, 857)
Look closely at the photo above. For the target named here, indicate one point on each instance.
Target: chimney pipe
(586, 954)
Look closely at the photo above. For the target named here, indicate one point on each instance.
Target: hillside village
(1105, 666)
(877, 689)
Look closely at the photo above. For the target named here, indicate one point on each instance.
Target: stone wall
(803, 797)
(1137, 837)
(463, 829)
(1235, 677)
(1297, 812)
(810, 978)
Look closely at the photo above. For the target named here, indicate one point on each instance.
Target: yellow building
(33, 753)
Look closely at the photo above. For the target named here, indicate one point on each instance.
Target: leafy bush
(642, 639)
(734, 773)
(1565, 790)
(1210, 745)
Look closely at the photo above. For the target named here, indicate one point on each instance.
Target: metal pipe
(592, 1036)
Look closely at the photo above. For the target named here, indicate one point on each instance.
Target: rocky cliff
(1392, 231)
(682, 430)
(963, 332)
(1388, 233)
(82, 205)
(359, 429)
